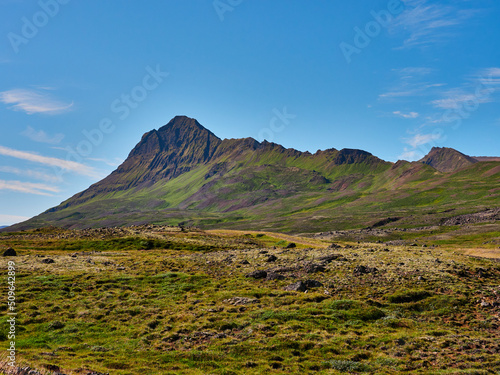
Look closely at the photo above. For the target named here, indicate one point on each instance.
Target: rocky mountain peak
(446, 159)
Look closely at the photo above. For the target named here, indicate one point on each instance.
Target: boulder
(361, 270)
(274, 276)
(259, 274)
(271, 258)
(10, 252)
(299, 286)
(313, 268)
(313, 284)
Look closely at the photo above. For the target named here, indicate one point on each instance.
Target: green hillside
(184, 174)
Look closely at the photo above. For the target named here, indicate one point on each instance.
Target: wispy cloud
(410, 115)
(411, 81)
(111, 163)
(42, 137)
(37, 175)
(28, 187)
(457, 98)
(12, 219)
(66, 165)
(479, 88)
(422, 139)
(34, 101)
(428, 22)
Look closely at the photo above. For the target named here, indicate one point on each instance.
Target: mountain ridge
(183, 173)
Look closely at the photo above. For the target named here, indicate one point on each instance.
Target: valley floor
(161, 300)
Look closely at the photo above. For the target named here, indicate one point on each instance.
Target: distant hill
(184, 174)
(486, 158)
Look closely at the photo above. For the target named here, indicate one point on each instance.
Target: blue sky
(81, 81)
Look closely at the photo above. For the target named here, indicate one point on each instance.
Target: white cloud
(28, 187)
(422, 139)
(410, 155)
(42, 137)
(409, 115)
(37, 175)
(66, 165)
(12, 219)
(426, 22)
(33, 101)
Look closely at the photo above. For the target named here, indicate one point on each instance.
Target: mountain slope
(447, 159)
(183, 173)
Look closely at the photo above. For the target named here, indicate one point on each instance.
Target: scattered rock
(291, 245)
(245, 262)
(400, 341)
(313, 284)
(334, 246)
(48, 261)
(313, 268)
(10, 252)
(485, 304)
(299, 286)
(272, 258)
(99, 349)
(52, 368)
(330, 258)
(361, 270)
(56, 325)
(239, 301)
(274, 276)
(482, 273)
(259, 274)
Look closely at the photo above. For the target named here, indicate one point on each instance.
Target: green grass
(172, 311)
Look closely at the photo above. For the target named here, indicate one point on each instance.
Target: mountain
(447, 159)
(184, 174)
